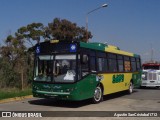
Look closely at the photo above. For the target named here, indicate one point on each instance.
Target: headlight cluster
(144, 76)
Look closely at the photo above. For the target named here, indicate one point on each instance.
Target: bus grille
(152, 76)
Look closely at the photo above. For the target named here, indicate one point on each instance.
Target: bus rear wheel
(98, 95)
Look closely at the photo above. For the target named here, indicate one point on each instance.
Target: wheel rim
(97, 94)
(131, 88)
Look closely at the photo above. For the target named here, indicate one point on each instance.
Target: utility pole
(102, 6)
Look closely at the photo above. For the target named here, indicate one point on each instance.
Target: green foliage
(8, 76)
(31, 32)
(10, 93)
(66, 30)
(12, 62)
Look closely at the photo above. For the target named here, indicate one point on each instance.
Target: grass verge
(11, 93)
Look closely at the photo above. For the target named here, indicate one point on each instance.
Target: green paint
(81, 90)
(136, 77)
(95, 46)
(135, 55)
(118, 78)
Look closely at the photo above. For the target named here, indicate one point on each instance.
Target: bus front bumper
(55, 95)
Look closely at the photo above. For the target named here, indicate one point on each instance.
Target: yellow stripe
(110, 87)
(113, 50)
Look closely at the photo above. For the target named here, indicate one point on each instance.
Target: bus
(151, 75)
(74, 70)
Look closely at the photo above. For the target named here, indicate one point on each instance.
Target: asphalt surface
(140, 100)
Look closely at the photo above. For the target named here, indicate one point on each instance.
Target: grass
(13, 92)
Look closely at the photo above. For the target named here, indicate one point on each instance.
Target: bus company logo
(118, 78)
(38, 49)
(57, 87)
(46, 86)
(73, 48)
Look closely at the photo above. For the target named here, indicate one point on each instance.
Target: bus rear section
(151, 75)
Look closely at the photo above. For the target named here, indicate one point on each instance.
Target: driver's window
(85, 68)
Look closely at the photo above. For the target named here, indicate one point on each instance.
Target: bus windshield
(55, 68)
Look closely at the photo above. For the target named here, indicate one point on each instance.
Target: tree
(60, 29)
(31, 32)
(13, 63)
(63, 29)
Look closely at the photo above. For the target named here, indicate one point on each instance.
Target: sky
(132, 25)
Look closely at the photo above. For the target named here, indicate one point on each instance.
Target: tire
(157, 87)
(130, 90)
(98, 95)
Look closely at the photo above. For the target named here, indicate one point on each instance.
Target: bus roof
(90, 45)
(106, 48)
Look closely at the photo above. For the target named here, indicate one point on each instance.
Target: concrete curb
(15, 99)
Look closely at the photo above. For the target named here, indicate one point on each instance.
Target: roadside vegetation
(14, 92)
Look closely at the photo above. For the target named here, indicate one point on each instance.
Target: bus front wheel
(98, 95)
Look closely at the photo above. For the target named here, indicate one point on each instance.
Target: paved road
(140, 100)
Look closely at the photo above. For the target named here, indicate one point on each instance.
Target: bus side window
(120, 63)
(138, 63)
(127, 64)
(92, 63)
(120, 66)
(112, 65)
(102, 65)
(84, 66)
(112, 62)
(133, 64)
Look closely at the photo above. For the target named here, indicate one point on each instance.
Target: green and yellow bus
(71, 70)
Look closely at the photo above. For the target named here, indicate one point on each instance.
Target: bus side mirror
(84, 59)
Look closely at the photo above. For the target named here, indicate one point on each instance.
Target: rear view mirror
(84, 59)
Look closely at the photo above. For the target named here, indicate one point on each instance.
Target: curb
(15, 99)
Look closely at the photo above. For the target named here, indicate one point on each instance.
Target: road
(140, 100)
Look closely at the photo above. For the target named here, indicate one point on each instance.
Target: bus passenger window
(102, 65)
(127, 66)
(84, 68)
(133, 64)
(120, 63)
(112, 62)
(138, 63)
(92, 63)
(120, 66)
(112, 65)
